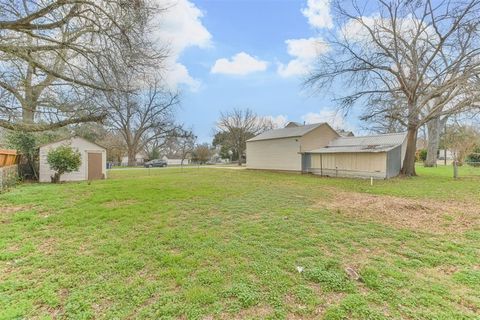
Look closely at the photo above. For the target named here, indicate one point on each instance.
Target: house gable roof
(71, 138)
(373, 143)
(289, 132)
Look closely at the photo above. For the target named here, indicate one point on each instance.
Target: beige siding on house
(81, 145)
(284, 153)
(350, 164)
(274, 154)
(318, 138)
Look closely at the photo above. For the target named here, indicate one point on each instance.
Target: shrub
(63, 160)
(421, 155)
(474, 157)
(26, 144)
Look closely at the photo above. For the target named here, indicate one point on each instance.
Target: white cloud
(278, 121)
(240, 64)
(180, 27)
(305, 51)
(318, 13)
(332, 117)
(177, 73)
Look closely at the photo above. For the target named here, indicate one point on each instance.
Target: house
(139, 160)
(281, 149)
(173, 161)
(93, 160)
(377, 156)
(319, 149)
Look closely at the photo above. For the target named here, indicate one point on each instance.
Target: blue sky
(247, 54)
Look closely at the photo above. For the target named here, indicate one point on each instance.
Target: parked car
(155, 163)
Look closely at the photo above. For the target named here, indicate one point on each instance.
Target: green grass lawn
(226, 244)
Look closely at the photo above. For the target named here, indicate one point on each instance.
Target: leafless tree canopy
(239, 126)
(142, 113)
(177, 145)
(57, 55)
(424, 55)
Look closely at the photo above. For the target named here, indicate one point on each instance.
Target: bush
(474, 158)
(421, 155)
(26, 144)
(63, 160)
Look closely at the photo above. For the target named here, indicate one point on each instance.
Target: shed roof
(373, 143)
(71, 138)
(289, 132)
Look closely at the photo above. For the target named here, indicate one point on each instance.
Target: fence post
(455, 169)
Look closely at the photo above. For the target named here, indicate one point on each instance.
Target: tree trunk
(132, 162)
(455, 169)
(409, 161)
(240, 156)
(434, 128)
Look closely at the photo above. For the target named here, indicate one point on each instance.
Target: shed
(93, 157)
(377, 156)
(280, 149)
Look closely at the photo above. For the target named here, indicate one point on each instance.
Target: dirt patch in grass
(48, 246)
(420, 215)
(255, 312)
(12, 209)
(119, 203)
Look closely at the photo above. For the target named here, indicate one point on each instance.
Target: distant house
(93, 157)
(344, 133)
(139, 160)
(173, 161)
(319, 149)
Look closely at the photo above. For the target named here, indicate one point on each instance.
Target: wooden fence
(8, 157)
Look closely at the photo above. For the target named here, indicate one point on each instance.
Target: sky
(255, 54)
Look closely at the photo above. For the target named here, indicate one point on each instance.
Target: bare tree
(434, 129)
(381, 116)
(57, 55)
(239, 126)
(186, 145)
(423, 53)
(178, 143)
(202, 153)
(142, 114)
(461, 140)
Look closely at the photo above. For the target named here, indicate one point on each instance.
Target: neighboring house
(445, 154)
(319, 149)
(139, 160)
(378, 156)
(280, 149)
(344, 133)
(175, 161)
(93, 157)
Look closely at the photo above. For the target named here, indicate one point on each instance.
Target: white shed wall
(274, 154)
(81, 145)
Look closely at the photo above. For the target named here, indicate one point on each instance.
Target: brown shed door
(95, 166)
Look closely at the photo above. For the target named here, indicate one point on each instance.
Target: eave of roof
(355, 149)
